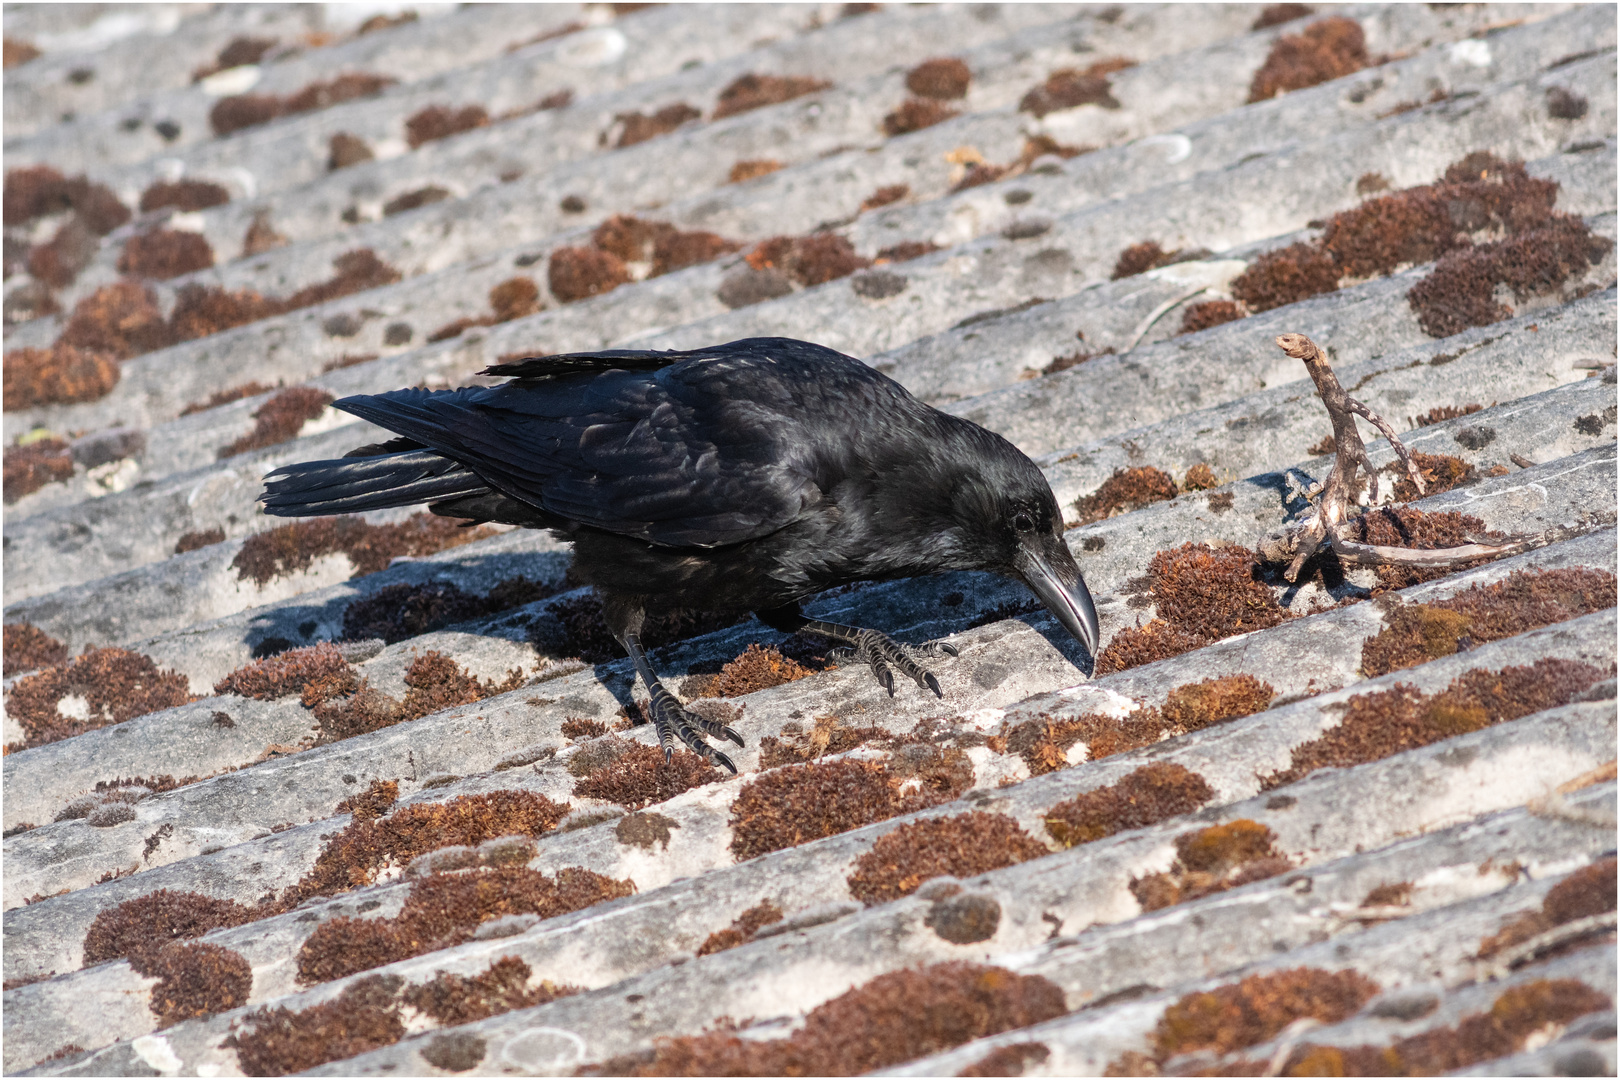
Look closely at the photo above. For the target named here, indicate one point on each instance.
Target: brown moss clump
(184, 195)
(751, 91)
(443, 910)
(742, 929)
(415, 199)
(29, 468)
(1517, 1013)
(199, 538)
(280, 1042)
(28, 648)
(142, 926)
(1586, 892)
(371, 803)
(239, 51)
(1126, 490)
(17, 53)
(752, 169)
(397, 612)
(906, 251)
(513, 298)
(1286, 276)
(1069, 88)
(288, 673)
(164, 254)
(225, 397)
(195, 980)
(120, 320)
(1461, 290)
(828, 735)
(38, 190)
(1138, 259)
(579, 727)
(1145, 797)
(1044, 741)
(962, 846)
(57, 262)
(1440, 472)
(1480, 192)
(639, 776)
(458, 999)
(1195, 706)
(441, 122)
(809, 260)
(261, 236)
(755, 669)
(1207, 314)
(1388, 722)
(370, 548)
(799, 803)
(433, 682)
(914, 114)
(1525, 600)
(1213, 860)
(1442, 413)
(884, 196)
(580, 273)
(280, 419)
(1256, 1009)
(893, 1018)
(123, 320)
(639, 127)
(249, 110)
(1325, 50)
(658, 243)
(59, 375)
(1277, 14)
(115, 684)
(945, 78)
(1202, 595)
(366, 847)
(1009, 1060)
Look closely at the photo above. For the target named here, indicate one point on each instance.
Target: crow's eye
(1023, 522)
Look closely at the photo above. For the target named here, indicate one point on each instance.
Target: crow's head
(1004, 518)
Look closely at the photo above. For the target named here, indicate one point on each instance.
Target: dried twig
(1332, 502)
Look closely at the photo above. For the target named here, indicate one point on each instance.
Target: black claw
(716, 755)
(734, 737)
(949, 650)
(669, 753)
(933, 684)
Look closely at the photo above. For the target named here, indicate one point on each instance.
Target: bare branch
(1332, 501)
(1381, 555)
(1360, 409)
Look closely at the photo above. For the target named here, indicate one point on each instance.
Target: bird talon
(933, 684)
(733, 736)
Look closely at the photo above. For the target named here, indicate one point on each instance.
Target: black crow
(743, 477)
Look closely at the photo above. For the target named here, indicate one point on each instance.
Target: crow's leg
(873, 647)
(670, 718)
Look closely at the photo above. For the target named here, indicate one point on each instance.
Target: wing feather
(670, 454)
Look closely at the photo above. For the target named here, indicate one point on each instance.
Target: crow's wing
(705, 451)
(548, 367)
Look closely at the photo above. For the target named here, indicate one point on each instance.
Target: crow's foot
(884, 656)
(672, 720)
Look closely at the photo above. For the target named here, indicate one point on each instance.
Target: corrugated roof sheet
(1367, 821)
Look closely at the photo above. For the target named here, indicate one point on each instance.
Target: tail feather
(351, 485)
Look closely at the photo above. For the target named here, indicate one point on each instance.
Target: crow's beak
(1052, 576)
